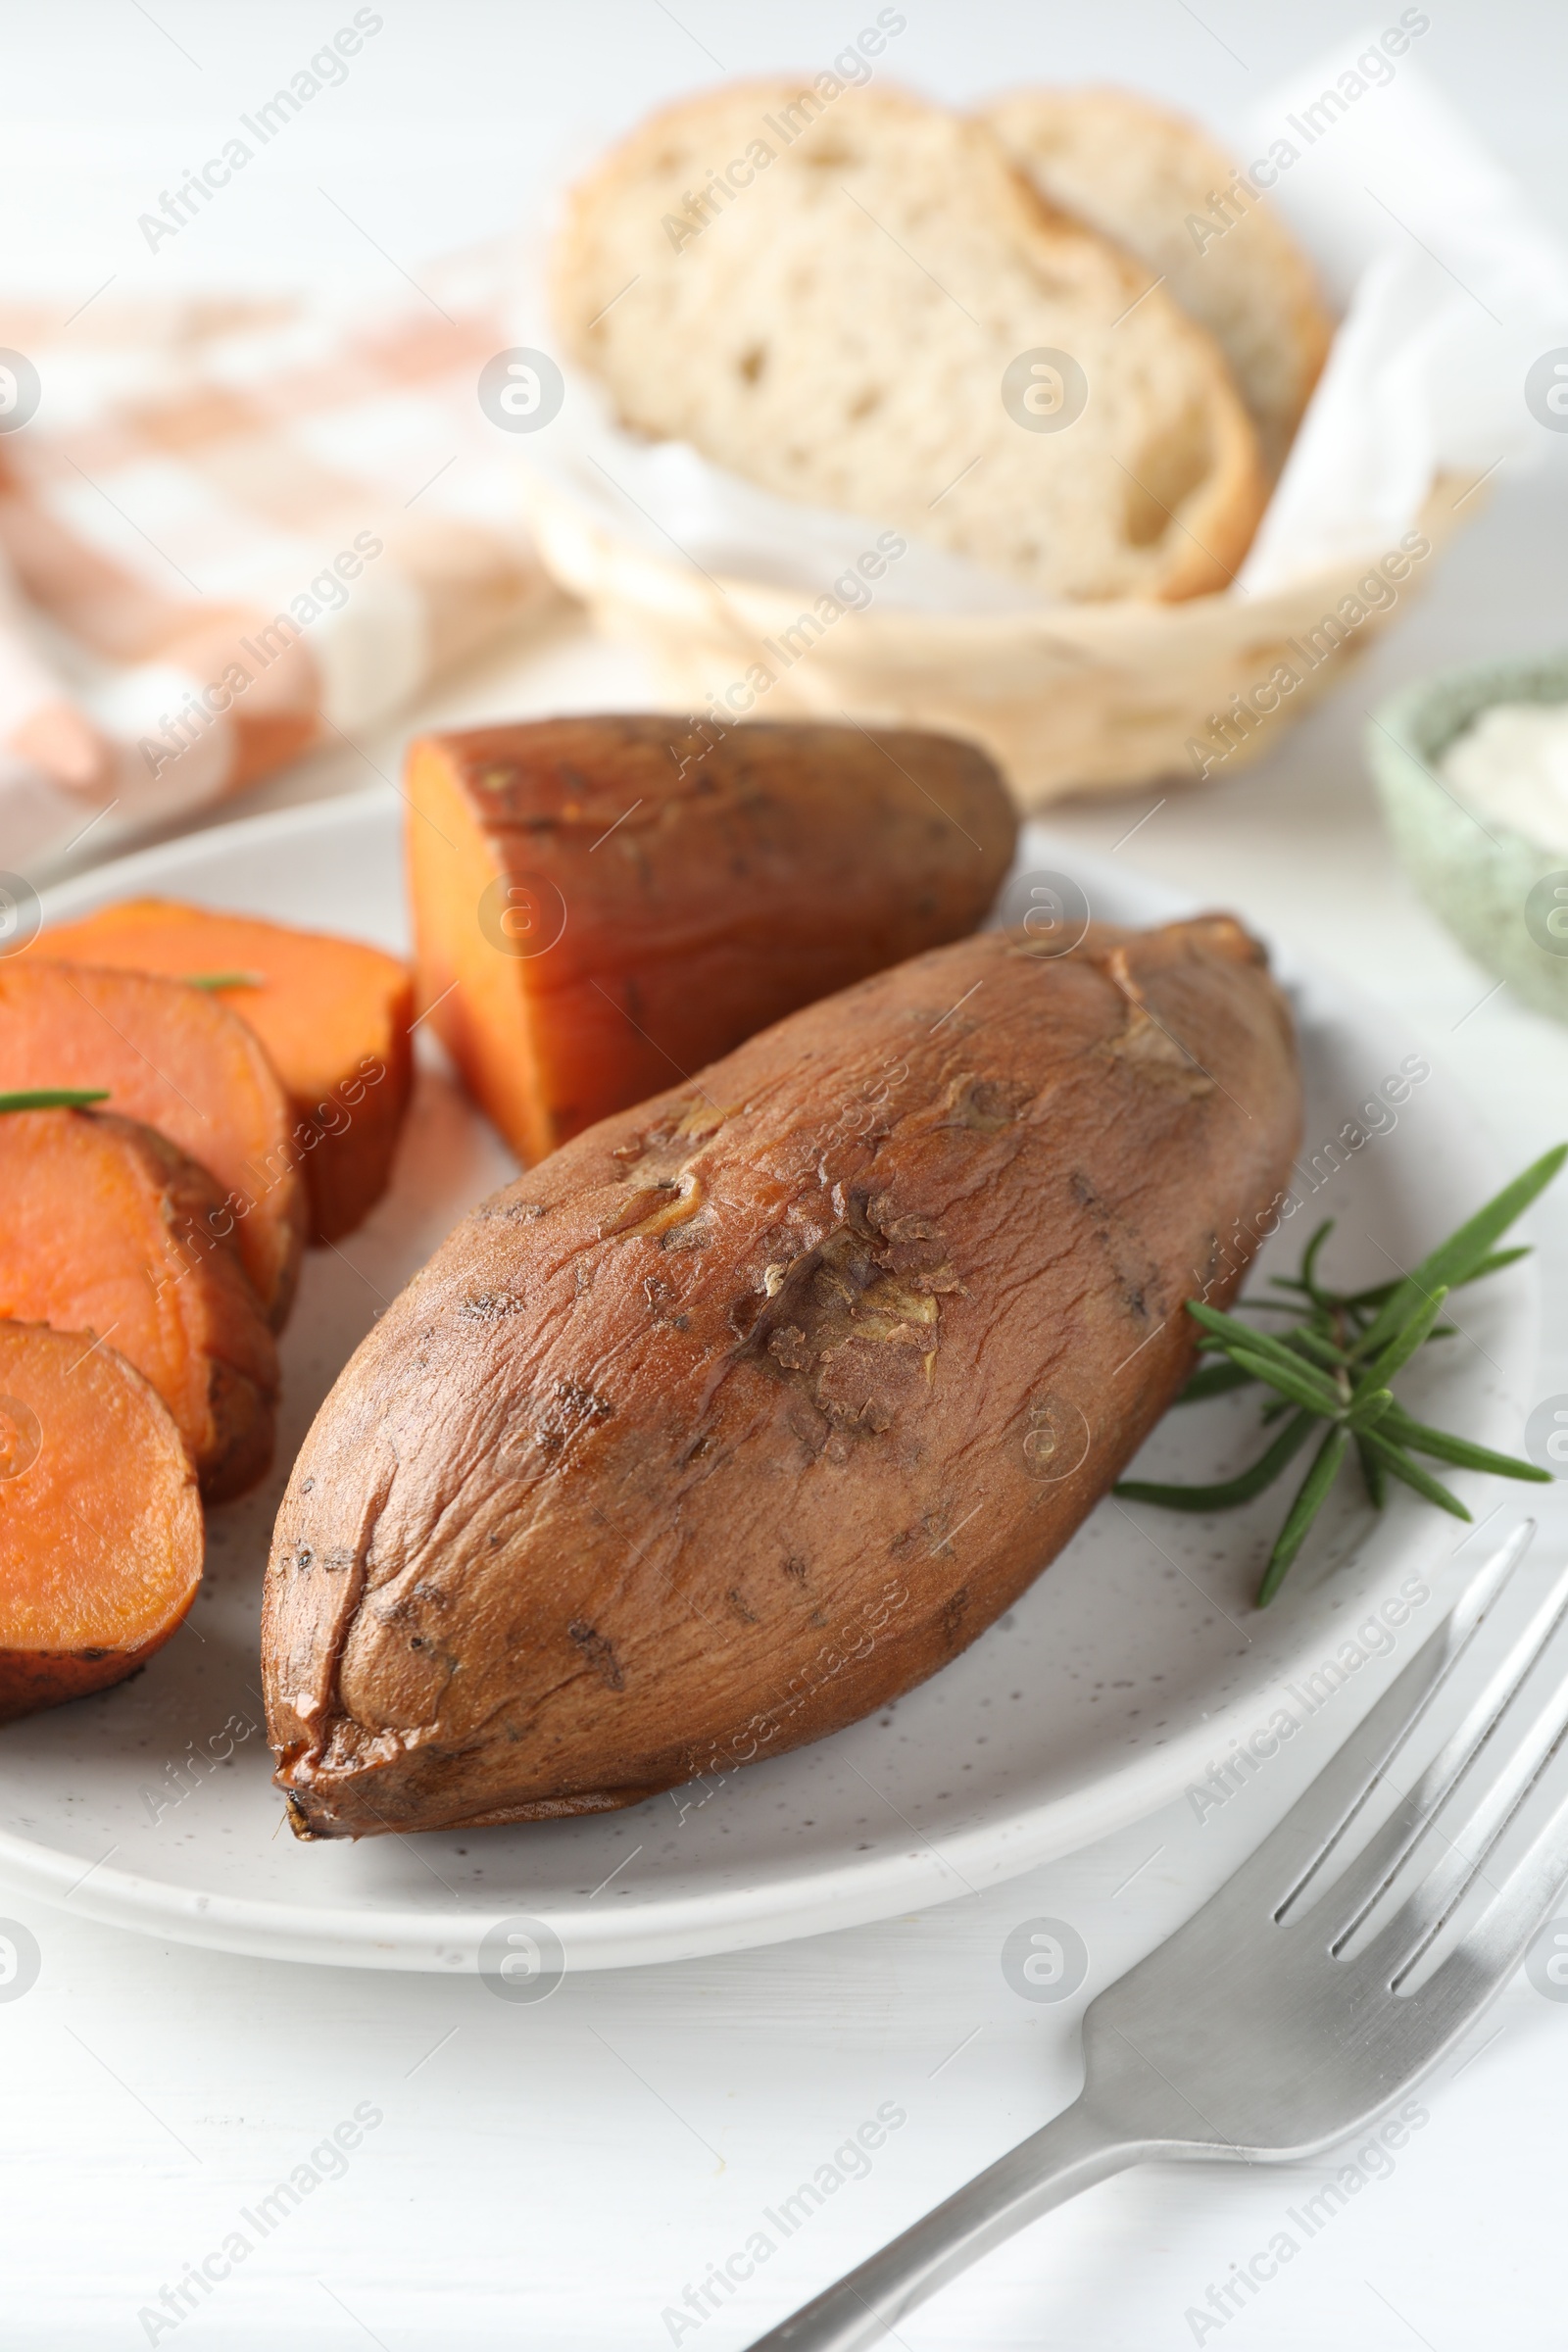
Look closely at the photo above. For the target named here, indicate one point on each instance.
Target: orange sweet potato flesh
(171, 1057)
(100, 1522)
(106, 1227)
(333, 1014)
(603, 904)
(750, 1407)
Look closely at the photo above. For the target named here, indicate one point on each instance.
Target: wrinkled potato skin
(747, 1409)
(704, 889)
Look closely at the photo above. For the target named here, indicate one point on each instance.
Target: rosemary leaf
(1309, 1263)
(1417, 1438)
(1252, 1481)
(1261, 1345)
(1304, 1340)
(1384, 1289)
(1497, 1261)
(1291, 1378)
(1463, 1251)
(1368, 1408)
(1394, 1459)
(1309, 1500)
(1213, 1382)
(1404, 1343)
(1373, 1297)
(1372, 1477)
(54, 1097)
(1220, 1329)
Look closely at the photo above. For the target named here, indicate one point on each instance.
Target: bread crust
(840, 325)
(1143, 175)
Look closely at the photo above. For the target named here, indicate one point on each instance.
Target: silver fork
(1251, 2032)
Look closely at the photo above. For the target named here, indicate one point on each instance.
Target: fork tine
(1420, 1920)
(1381, 1859)
(1494, 1944)
(1297, 1849)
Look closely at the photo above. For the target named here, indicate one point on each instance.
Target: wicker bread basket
(1080, 698)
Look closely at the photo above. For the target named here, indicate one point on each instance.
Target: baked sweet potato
(751, 1407)
(332, 1013)
(603, 904)
(100, 1524)
(171, 1057)
(106, 1227)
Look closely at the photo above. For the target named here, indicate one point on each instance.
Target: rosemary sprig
(1329, 1371)
(54, 1097)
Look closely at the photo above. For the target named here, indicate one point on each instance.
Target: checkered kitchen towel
(230, 532)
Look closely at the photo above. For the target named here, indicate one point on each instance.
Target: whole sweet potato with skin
(603, 904)
(750, 1407)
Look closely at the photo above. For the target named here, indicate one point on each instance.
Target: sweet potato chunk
(751, 1407)
(100, 1524)
(171, 1057)
(332, 1013)
(106, 1227)
(603, 904)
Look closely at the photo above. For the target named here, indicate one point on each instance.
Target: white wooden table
(570, 2175)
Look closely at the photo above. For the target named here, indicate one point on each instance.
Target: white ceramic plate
(1116, 1682)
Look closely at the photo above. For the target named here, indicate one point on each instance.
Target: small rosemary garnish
(1332, 1366)
(54, 1097)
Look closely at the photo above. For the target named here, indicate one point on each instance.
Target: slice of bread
(1160, 187)
(825, 294)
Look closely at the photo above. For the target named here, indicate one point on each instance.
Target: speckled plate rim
(815, 1899)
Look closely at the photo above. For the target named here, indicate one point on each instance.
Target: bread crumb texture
(835, 314)
(1159, 187)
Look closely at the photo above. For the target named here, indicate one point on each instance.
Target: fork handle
(1071, 2152)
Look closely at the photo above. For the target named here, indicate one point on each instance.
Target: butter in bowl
(1472, 771)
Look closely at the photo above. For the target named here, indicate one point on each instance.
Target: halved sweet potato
(100, 1524)
(106, 1226)
(603, 904)
(751, 1407)
(332, 1013)
(169, 1056)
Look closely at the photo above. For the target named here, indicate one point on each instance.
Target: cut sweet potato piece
(169, 1056)
(100, 1523)
(332, 1013)
(106, 1226)
(603, 904)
